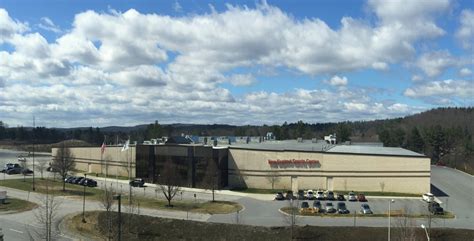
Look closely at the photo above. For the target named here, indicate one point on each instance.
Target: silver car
(351, 197)
(365, 209)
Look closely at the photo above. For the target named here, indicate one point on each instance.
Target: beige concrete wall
(250, 168)
(113, 161)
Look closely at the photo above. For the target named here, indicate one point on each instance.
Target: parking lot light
(84, 201)
(389, 211)
(424, 227)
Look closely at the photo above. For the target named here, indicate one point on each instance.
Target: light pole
(84, 200)
(119, 198)
(427, 236)
(389, 211)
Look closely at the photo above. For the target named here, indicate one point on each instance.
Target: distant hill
(443, 134)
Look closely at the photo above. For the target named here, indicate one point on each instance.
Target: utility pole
(34, 127)
(119, 198)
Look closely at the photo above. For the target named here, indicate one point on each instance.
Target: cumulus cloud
(434, 63)
(133, 66)
(465, 72)
(337, 81)
(444, 88)
(465, 33)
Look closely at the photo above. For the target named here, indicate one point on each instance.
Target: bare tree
(107, 202)
(273, 178)
(63, 162)
(211, 178)
(406, 227)
(41, 167)
(292, 218)
(24, 166)
(169, 181)
(46, 213)
(382, 185)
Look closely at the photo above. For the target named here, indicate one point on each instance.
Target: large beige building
(287, 164)
(341, 167)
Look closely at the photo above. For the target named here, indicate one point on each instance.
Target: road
(260, 210)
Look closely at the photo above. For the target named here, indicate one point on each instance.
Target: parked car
(317, 207)
(301, 195)
(289, 195)
(71, 179)
(310, 195)
(435, 208)
(428, 197)
(304, 207)
(51, 169)
(68, 179)
(15, 170)
(82, 182)
(89, 182)
(279, 196)
(137, 182)
(26, 171)
(351, 197)
(330, 196)
(77, 180)
(320, 195)
(365, 209)
(340, 197)
(361, 197)
(341, 208)
(9, 166)
(330, 208)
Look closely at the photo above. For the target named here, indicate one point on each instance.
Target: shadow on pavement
(437, 192)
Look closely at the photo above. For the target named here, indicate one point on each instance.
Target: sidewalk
(263, 197)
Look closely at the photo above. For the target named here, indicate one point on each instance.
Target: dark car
(89, 182)
(9, 166)
(77, 180)
(341, 208)
(15, 170)
(26, 171)
(330, 196)
(301, 195)
(279, 196)
(317, 207)
(289, 195)
(68, 179)
(138, 182)
(340, 197)
(361, 197)
(435, 208)
(82, 182)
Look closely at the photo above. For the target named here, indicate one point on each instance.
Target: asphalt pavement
(260, 209)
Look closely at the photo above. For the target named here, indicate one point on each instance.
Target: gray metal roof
(322, 146)
(306, 145)
(374, 150)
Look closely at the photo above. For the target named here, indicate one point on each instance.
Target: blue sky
(99, 63)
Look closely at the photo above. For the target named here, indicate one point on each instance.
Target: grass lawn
(287, 210)
(13, 205)
(55, 187)
(152, 228)
(259, 191)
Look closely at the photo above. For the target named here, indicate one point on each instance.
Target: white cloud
(465, 72)
(416, 78)
(242, 79)
(48, 24)
(465, 33)
(9, 27)
(445, 88)
(434, 63)
(131, 67)
(177, 7)
(337, 81)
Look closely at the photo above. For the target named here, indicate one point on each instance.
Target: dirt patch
(13, 205)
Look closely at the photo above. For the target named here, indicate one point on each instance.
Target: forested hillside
(443, 134)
